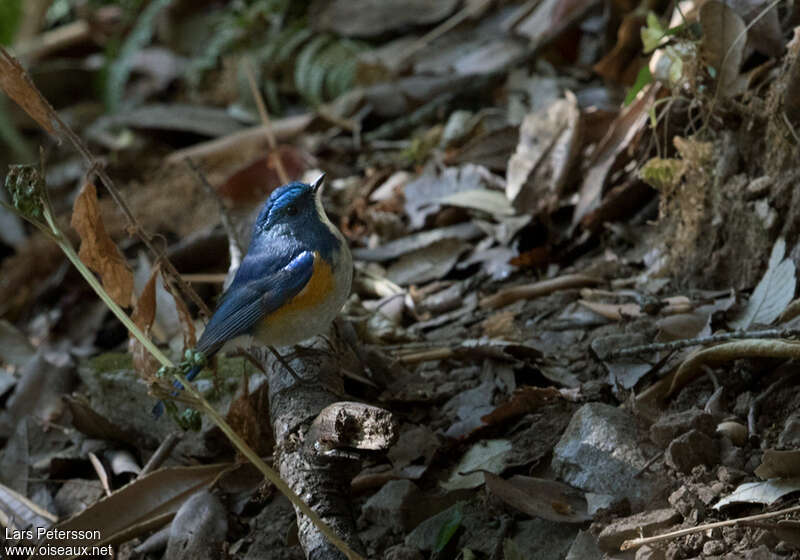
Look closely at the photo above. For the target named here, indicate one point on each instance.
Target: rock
(685, 500)
(735, 431)
(598, 502)
(198, 529)
(75, 495)
(728, 475)
(403, 552)
(584, 547)
(670, 426)
(649, 553)
(643, 524)
(269, 530)
(543, 539)
(691, 449)
(396, 503)
(475, 531)
(760, 553)
(730, 455)
(424, 536)
(790, 436)
(599, 452)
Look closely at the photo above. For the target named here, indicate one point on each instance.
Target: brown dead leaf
(19, 87)
(538, 257)
(724, 39)
(248, 415)
(524, 400)
(145, 311)
(618, 138)
(623, 61)
(501, 325)
(539, 497)
(252, 182)
(98, 251)
(509, 295)
(144, 315)
(613, 311)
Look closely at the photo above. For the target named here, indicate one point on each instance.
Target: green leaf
(643, 78)
(10, 16)
(653, 33)
(448, 529)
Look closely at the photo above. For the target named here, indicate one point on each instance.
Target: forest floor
(573, 321)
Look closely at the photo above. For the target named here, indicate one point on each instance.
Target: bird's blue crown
(280, 199)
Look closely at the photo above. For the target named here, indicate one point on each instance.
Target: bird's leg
(246, 353)
(289, 368)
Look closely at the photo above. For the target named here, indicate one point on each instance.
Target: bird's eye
(291, 210)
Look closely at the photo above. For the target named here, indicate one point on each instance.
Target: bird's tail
(158, 409)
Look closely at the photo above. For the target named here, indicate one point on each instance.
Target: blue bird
(292, 282)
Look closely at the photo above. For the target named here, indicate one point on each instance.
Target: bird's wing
(251, 296)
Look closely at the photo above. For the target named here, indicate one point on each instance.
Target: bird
(292, 282)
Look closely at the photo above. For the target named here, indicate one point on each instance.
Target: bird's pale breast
(310, 311)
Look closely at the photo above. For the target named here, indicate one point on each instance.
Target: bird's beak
(316, 185)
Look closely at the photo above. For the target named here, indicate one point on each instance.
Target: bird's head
(294, 206)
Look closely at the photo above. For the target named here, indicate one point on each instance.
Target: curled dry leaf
(765, 492)
(753, 348)
(98, 251)
(548, 144)
(143, 315)
(17, 84)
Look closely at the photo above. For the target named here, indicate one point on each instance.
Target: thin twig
(161, 453)
(700, 340)
(262, 111)
(636, 543)
(650, 462)
(234, 244)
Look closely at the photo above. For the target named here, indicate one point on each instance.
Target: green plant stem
(216, 417)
